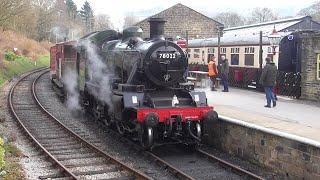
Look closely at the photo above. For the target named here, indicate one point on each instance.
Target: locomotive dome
(133, 31)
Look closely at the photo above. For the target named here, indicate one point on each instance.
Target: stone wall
(310, 48)
(288, 158)
(181, 18)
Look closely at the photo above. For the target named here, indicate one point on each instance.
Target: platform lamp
(220, 34)
(274, 39)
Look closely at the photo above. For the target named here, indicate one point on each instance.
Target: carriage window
(235, 50)
(223, 50)
(318, 67)
(196, 53)
(234, 59)
(249, 59)
(196, 56)
(249, 50)
(211, 50)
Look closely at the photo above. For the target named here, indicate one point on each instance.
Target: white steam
(99, 74)
(70, 81)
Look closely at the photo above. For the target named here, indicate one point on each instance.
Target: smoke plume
(99, 74)
(70, 80)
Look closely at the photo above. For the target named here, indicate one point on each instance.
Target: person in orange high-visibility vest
(212, 72)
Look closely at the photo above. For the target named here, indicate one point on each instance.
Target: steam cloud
(99, 74)
(71, 85)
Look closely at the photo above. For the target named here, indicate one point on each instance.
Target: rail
(66, 171)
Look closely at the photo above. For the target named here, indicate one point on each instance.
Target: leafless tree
(10, 9)
(313, 11)
(130, 20)
(230, 19)
(102, 22)
(259, 15)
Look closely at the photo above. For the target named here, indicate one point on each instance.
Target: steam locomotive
(138, 86)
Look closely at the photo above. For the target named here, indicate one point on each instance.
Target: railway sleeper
(81, 156)
(94, 169)
(61, 148)
(110, 175)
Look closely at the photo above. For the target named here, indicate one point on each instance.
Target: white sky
(117, 9)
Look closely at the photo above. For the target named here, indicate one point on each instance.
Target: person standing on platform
(224, 73)
(268, 81)
(212, 72)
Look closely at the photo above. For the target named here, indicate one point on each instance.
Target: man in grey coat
(268, 80)
(224, 70)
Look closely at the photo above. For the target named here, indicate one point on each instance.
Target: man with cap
(268, 81)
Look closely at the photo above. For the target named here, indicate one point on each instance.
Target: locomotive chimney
(156, 28)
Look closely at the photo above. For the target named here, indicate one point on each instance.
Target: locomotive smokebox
(157, 28)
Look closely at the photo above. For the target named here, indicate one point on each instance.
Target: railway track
(72, 156)
(199, 165)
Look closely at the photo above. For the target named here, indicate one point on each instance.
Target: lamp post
(220, 34)
(274, 39)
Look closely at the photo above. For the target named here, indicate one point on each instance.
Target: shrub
(10, 56)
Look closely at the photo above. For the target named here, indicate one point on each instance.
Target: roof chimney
(156, 28)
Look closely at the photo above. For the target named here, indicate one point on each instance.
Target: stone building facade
(310, 66)
(180, 19)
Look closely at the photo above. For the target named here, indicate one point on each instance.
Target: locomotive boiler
(139, 86)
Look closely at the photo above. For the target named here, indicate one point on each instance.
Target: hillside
(29, 55)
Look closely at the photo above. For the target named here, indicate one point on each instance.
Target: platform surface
(298, 117)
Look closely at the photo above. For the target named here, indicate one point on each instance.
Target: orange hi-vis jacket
(212, 67)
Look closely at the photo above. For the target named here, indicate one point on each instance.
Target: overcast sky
(117, 9)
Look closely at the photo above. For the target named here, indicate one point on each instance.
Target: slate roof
(249, 34)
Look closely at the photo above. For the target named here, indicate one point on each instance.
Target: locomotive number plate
(166, 55)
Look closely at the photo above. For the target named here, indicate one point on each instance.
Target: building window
(196, 56)
(269, 50)
(196, 50)
(234, 59)
(223, 50)
(249, 50)
(249, 59)
(318, 67)
(210, 50)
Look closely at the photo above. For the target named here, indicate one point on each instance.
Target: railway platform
(292, 116)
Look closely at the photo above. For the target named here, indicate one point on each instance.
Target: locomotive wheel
(107, 121)
(146, 138)
(198, 130)
(120, 128)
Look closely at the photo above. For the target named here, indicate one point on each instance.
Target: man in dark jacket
(224, 73)
(268, 80)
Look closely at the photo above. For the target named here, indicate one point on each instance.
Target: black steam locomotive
(137, 85)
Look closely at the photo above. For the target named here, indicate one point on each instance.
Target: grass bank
(20, 65)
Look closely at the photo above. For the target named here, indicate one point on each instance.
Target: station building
(180, 19)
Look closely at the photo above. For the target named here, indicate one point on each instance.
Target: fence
(288, 83)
